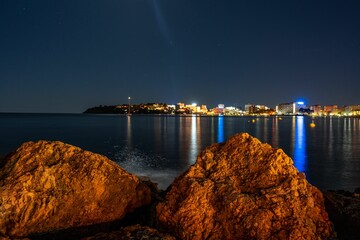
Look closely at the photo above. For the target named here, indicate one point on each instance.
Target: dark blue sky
(66, 56)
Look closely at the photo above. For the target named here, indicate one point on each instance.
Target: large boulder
(47, 186)
(243, 189)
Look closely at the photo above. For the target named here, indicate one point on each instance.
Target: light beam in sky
(163, 29)
(160, 21)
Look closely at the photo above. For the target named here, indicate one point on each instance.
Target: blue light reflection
(300, 145)
(220, 129)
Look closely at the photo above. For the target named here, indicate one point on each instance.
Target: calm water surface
(162, 147)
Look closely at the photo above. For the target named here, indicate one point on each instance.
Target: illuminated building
(232, 111)
(204, 109)
(353, 110)
(330, 109)
(316, 109)
(249, 108)
(193, 108)
(180, 105)
(289, 108)
(255, 109)
(220, 110)
(261, 107)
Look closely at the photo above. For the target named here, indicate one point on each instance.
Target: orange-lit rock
(46, 186)
(243, 189)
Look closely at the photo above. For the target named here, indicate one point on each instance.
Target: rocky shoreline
(240, 189)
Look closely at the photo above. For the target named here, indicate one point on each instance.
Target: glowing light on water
(275, 132)
(300, 144)
(193, 139)
(128, 132)
(221, 129)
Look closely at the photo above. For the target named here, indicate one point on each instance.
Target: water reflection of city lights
(331, 137)
(193, 139)
(221, 129)
(128, 132)
(300, 144)
(275, 132)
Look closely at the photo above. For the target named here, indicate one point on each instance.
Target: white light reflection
(331, 137)
(212, 130)
(128, 132)
(258, 131)
(194, 138)
(275, 132)
(159, 129)
(347, 145)
(266, 134)
(300, 144)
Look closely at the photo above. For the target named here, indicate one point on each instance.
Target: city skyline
(289, 108)
(300, 101)
(66, 56)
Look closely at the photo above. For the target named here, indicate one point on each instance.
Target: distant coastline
(123, 109)
(191, 110)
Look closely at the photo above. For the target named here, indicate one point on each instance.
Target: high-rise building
(248, 107)
(289, 108)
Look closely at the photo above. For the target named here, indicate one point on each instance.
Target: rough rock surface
(47, 186)
(344, 211)
(135, 232)
(243, 189)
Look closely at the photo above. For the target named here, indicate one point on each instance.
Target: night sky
(67, 55)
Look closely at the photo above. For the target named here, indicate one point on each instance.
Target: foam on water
(144, 164)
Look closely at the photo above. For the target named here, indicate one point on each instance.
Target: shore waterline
(162, 147)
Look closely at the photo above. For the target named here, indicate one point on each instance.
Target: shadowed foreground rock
(135, 232)
(243, 189)
(344, 211)
(47, 186)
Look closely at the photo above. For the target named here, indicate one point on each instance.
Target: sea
(161, 147)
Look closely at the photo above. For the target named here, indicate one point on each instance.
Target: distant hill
(148, 108)
(106, 110)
